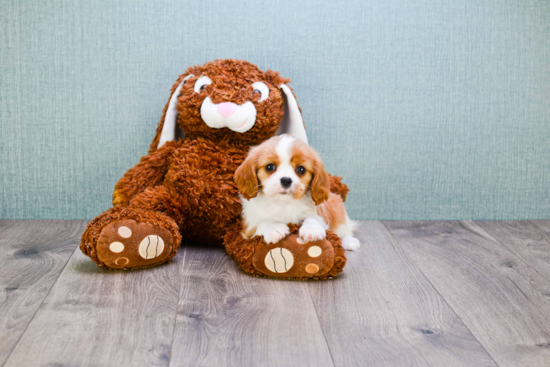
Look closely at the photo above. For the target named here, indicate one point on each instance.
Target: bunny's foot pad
(125, 238)
(125, 244)
(289, 258)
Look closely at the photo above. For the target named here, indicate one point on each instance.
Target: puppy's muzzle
(286, 182)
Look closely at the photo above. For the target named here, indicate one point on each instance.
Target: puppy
(282, 181)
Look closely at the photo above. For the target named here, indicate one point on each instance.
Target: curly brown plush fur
(187, 186)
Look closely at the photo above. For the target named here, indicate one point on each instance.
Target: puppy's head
(283, 166)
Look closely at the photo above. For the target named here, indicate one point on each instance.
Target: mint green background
(430, 109)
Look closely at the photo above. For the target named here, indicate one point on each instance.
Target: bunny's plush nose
(226, 109)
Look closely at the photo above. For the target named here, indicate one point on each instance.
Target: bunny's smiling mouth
(239, 118)
(244, 123)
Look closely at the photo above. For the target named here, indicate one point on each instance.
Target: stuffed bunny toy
(184, 187)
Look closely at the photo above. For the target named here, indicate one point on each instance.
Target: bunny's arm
(338, 187)
(149, 172)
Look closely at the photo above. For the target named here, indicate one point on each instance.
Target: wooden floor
(416, 294)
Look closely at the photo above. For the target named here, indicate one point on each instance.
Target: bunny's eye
(201, 83)
(262, 89)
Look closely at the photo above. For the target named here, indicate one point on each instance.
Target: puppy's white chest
(280, 210)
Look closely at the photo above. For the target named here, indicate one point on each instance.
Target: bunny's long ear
(292, 122)
(168, 129)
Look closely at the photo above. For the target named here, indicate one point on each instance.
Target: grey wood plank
(95, 317)
(542, 224)
(228, 318)
(526, 240)
(501, 299)
(32, 255)
(383, 311)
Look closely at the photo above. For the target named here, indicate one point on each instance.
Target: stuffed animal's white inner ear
(292, 122)
(170, 119)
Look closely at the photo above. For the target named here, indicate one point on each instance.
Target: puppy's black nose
(286, 182)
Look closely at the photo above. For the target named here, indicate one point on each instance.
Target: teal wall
(430, 109)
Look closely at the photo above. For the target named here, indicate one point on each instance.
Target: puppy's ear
(246, 178)
(320, 186)
(167, 129)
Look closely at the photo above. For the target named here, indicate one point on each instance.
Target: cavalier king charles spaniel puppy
(283, 181)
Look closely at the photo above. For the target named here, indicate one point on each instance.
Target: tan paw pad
(314, 251)
(151, 247)
(312, 268)
(116, 247)
(125, 232)
(121, 261)
(279, 260)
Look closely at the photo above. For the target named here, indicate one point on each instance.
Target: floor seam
(440, 295)
(177, 305)
(321, 325)
(41, 303)
(512, 250)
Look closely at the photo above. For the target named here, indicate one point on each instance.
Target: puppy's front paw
(350, 243)
(273, 232)
(311, 231)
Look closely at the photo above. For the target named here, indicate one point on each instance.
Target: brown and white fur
(283, 181)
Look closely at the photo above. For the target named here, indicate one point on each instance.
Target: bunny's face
(230, 100)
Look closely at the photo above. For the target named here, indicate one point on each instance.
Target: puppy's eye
(201, 83)
(300, 170)
(270, 167)
(262, 89)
